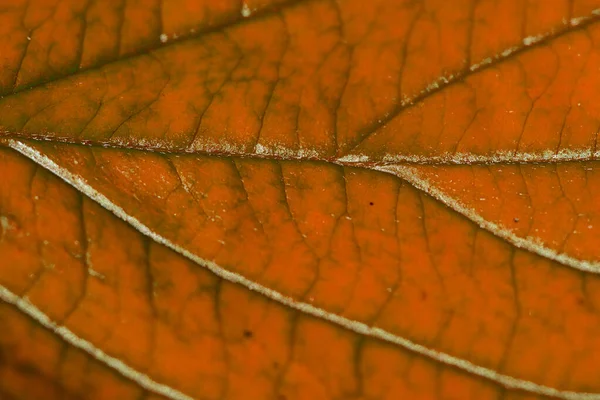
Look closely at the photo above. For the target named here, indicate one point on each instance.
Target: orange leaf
(296, 156)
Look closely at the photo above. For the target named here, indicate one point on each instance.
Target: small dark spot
(282, 397)
(516, 219)
(580, 301)
(248, 334)
(27, 369)
(371, 203)
(276, 365)
(423, 295)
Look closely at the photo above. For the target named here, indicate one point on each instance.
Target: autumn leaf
(300, 200)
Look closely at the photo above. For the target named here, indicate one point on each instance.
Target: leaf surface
(131, 298)
(551, 208)
(267, 146)
(327, 80)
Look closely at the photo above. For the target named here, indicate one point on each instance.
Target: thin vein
(572, 25)
(529, 243)
(23, 304)
(231, 21)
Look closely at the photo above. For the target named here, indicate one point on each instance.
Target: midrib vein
(350, 160)
(355, 326)
(407, 173)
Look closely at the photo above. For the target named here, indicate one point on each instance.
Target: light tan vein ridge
(223, 148)
(355, 326)
(24, 305)
(529, 243)
(499, 157)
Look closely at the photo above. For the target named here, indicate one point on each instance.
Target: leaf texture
(177, 322)
(362, 74)
(550, 205)
(273, 147)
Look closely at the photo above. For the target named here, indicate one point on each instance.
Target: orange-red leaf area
(382, 82)
(169, 318)
(316, 79)
(408, 282)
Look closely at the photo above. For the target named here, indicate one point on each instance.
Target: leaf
(550, 208)
(172, 320)
(43, 251)
(267, 147)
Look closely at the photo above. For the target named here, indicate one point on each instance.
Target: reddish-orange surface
(294, 228)
(172, 319)
(556, 203)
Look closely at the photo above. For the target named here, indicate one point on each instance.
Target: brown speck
(248, 334)
(371, 203)
(516, 219)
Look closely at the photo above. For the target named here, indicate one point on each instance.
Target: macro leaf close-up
(299, 199)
